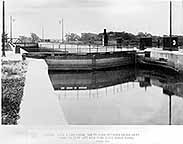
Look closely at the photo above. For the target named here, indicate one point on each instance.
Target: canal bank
(39, 105)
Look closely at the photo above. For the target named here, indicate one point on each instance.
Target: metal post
(3, 34)
(62, 30)
(10, 28)
(182, 17)
(62, 27)
(171, 25)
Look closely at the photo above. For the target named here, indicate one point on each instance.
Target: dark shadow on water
(170, 81)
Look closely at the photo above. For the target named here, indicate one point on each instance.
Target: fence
(79, 48)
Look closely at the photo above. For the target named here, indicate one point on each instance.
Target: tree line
(94, 38)
(126, 38)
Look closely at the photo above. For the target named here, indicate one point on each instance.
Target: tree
(148, 35)
(25, 39)
(90, 37)
(72, 37)
(141, 34)
(35, 38)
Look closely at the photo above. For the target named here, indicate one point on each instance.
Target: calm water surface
(121, 96)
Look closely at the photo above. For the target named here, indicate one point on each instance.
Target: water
(121, 96)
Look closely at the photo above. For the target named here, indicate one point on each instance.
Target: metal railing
(83, 48)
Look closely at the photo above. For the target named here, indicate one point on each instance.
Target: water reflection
(120, 96)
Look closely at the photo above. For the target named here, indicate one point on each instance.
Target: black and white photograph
(91, 63)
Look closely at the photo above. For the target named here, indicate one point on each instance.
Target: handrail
(78, 48)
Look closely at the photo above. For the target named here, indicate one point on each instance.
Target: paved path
(40, 105)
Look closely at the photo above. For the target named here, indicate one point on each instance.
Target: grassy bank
(13, 81)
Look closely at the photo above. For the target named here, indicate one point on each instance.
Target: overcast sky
(92, 16)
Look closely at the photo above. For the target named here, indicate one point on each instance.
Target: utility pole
(11, 28)
(170, 98)
(3, 34)
(182, 18)
(62, 30)
(171, 25)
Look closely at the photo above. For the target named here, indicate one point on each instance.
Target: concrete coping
(160, 50)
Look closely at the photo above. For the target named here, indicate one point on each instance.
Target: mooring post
(3, 34)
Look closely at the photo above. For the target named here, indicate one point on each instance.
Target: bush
(12, 85)
(12, 92)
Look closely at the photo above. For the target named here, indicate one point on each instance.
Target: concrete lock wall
(174, 59)
(180, 61)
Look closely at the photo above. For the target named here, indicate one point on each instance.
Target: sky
(93, 16)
